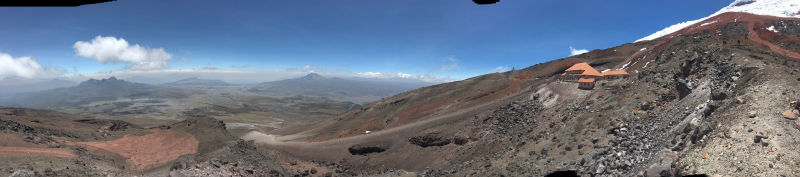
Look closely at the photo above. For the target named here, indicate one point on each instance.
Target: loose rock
(751, 114)
(790, 114)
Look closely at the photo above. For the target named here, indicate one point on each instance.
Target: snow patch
(708, 23)
(625, 65)
(643, 49)
(778, 8)
(772, 28)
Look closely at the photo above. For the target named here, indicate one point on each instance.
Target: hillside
(315, 85)
(46, 143)
(715, 99)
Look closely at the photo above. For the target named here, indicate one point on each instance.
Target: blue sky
(450, 39)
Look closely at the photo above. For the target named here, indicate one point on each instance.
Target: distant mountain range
(59, 94)
(197, 82)
(359, 91)
(97, 90)
(18, 85)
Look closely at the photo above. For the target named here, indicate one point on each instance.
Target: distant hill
(98, 90)
(197, 82)
(358, 91)
(18, 85)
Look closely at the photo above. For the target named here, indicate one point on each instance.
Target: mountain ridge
(315, 85)
(98, 90)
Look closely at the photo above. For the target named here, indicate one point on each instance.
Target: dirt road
(336, 149)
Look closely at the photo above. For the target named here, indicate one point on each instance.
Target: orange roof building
(615, 74)
(586, 83)
(586, 75)
(578, 71)
(583, 80)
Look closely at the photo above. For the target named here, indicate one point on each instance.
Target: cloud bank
(573, 51)
(25, 67)
(387, 75)
(109, 49)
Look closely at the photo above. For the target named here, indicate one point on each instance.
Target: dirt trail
(12, 145)
(6, 151)
(336, 149)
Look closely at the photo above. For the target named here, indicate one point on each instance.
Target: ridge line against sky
(256, 41)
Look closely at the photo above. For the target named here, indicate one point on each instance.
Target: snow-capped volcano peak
(778, 8)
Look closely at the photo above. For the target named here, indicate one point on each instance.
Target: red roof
(586, 80)
(615, 72)
(591, 72)
(579, 66)
(587, 70)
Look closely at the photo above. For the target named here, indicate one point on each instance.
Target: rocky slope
(46, 143)
(709, 100)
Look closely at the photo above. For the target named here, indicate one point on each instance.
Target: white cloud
(26, 67)
(369, 74)
(386, 75)
(499, 69)
(573, 51)
(113, 50)
(394, 75)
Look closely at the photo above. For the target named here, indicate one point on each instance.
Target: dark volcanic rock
(718, 95)
(363, 150)
(429, 139)
(682, 89)
(700, 131)
(460, 140)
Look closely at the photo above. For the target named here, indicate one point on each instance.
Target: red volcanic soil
(462, 99)
(755, 24)
(156, 148)
(13, 146)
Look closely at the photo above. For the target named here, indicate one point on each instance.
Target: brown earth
(158, 147)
